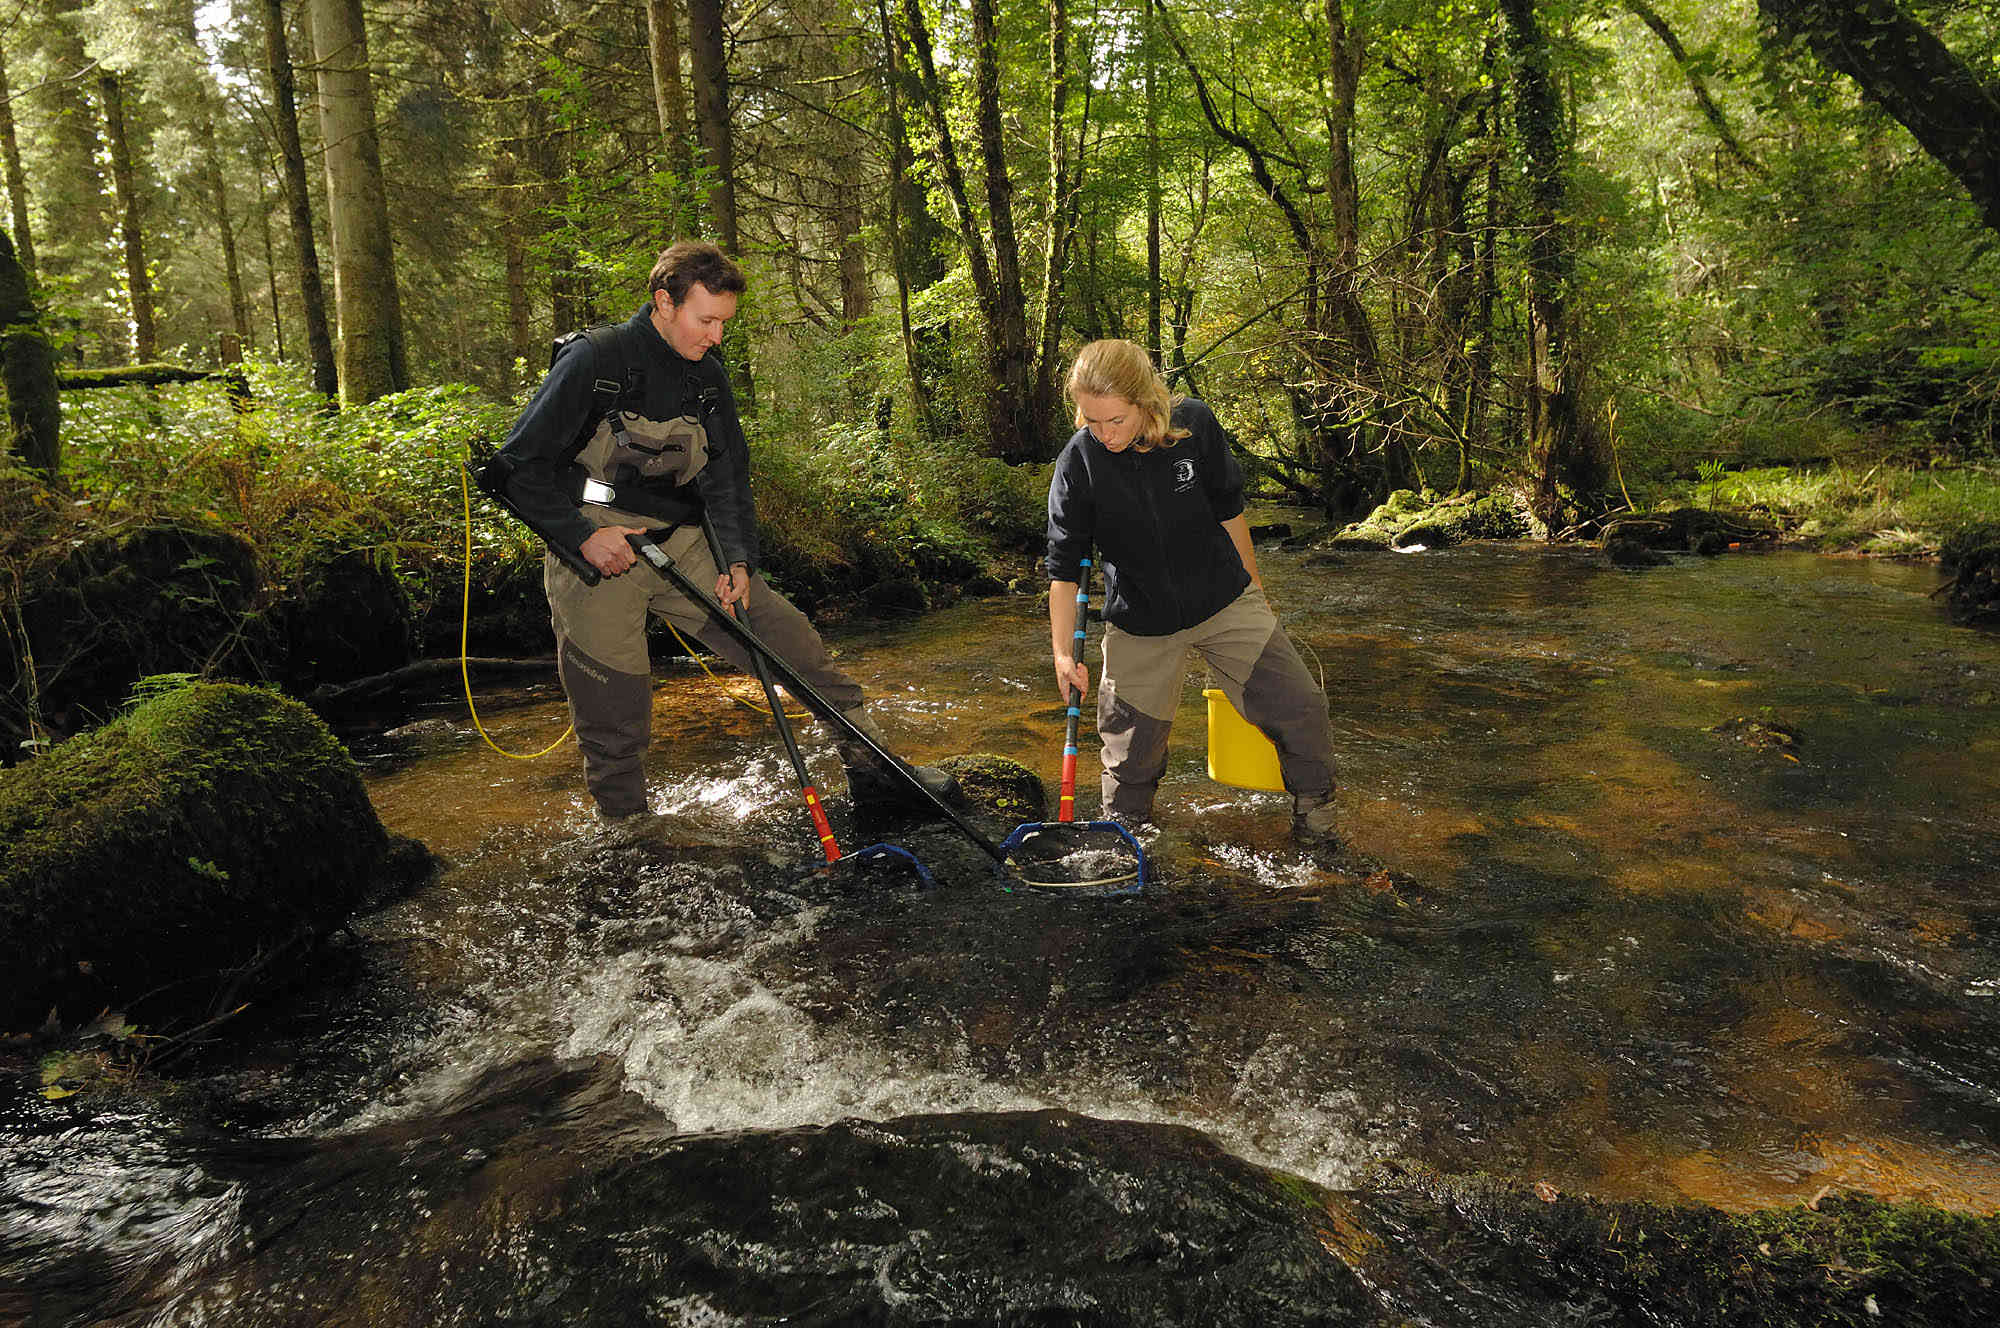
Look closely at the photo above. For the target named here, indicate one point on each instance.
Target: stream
(1676, 886)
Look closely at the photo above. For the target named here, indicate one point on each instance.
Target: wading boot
(1315, 821)
(876, 788)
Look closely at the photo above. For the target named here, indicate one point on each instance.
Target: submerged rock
(209, 826)
(997, 785)
(1626, 552)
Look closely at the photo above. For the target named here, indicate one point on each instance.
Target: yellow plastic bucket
(1239, 754)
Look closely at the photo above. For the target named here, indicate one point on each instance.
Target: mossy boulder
(344, 616)
(123, 606)
(1971, 557)
(1410, 518)
(209, 825)
(1006, 788)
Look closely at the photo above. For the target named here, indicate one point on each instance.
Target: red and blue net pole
(1066, 801)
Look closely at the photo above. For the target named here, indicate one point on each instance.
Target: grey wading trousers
(1254, 665)
(607, 673)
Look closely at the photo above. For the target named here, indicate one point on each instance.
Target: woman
(1152, 483)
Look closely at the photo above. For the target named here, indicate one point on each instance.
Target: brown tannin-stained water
(1697, 873)
(1682, 884)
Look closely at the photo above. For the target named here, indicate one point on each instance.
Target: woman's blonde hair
(1122, 369)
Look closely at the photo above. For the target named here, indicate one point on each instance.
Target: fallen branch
(422, 671)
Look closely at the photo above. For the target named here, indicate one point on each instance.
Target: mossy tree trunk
(17, 180)
(28, 368)
(371, 357)
(1557, 434)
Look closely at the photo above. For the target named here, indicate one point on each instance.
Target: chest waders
(617, 456)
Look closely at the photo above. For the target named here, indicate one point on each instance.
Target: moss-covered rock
(120, 607)
(1971, 557)
(344, 616)
(1006, 788)
(1410, 518)
(209, 824)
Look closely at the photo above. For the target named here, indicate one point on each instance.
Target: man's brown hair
(685, 262)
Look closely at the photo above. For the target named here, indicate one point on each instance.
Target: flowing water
(1682, 884)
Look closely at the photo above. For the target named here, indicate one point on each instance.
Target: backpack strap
(617, 378)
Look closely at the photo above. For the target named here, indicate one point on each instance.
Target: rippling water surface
(1679, 884)
(1685, 956)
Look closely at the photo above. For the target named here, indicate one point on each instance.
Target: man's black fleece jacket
(565, 409)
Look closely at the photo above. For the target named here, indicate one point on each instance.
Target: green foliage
(1887, 509)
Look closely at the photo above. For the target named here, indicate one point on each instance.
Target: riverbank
(1885, 509)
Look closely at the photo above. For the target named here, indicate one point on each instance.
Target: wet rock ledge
(204, 831)
(548, 1195)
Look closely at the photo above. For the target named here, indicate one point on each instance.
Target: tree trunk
(1558, 454)
(270, 266)
(17, 181)
(364, 266)
(663, 48)
(1063, 187)
(1014, 431)
(1153, 328)
(707, 49)
(73, 196)
(1902, 65)
(708, 59)
(211, 170)
(514, 258)
(28, 370)
(1007, 355)
(1354, 359)
(298, 199)
(145, 344)
(915, 236)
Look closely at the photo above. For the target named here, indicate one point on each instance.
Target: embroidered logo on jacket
(1183, 475)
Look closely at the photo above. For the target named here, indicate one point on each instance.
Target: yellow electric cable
(717, 680)
(465, 633)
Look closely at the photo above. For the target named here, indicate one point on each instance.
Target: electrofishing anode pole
(645, 547)
(1066, 802)
(821, 826)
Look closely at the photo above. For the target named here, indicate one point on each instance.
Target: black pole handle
(805, 691)
(758, 667)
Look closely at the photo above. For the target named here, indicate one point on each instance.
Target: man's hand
(607, 551)
(1072, 673)
(733, 586)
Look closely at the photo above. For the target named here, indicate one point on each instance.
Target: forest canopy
(1398, 244)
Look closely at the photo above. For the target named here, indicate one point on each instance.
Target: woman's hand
(1072, 673)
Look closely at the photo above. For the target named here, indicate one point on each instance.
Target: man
(635, 430)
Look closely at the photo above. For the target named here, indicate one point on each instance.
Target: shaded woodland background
(1398, 244)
